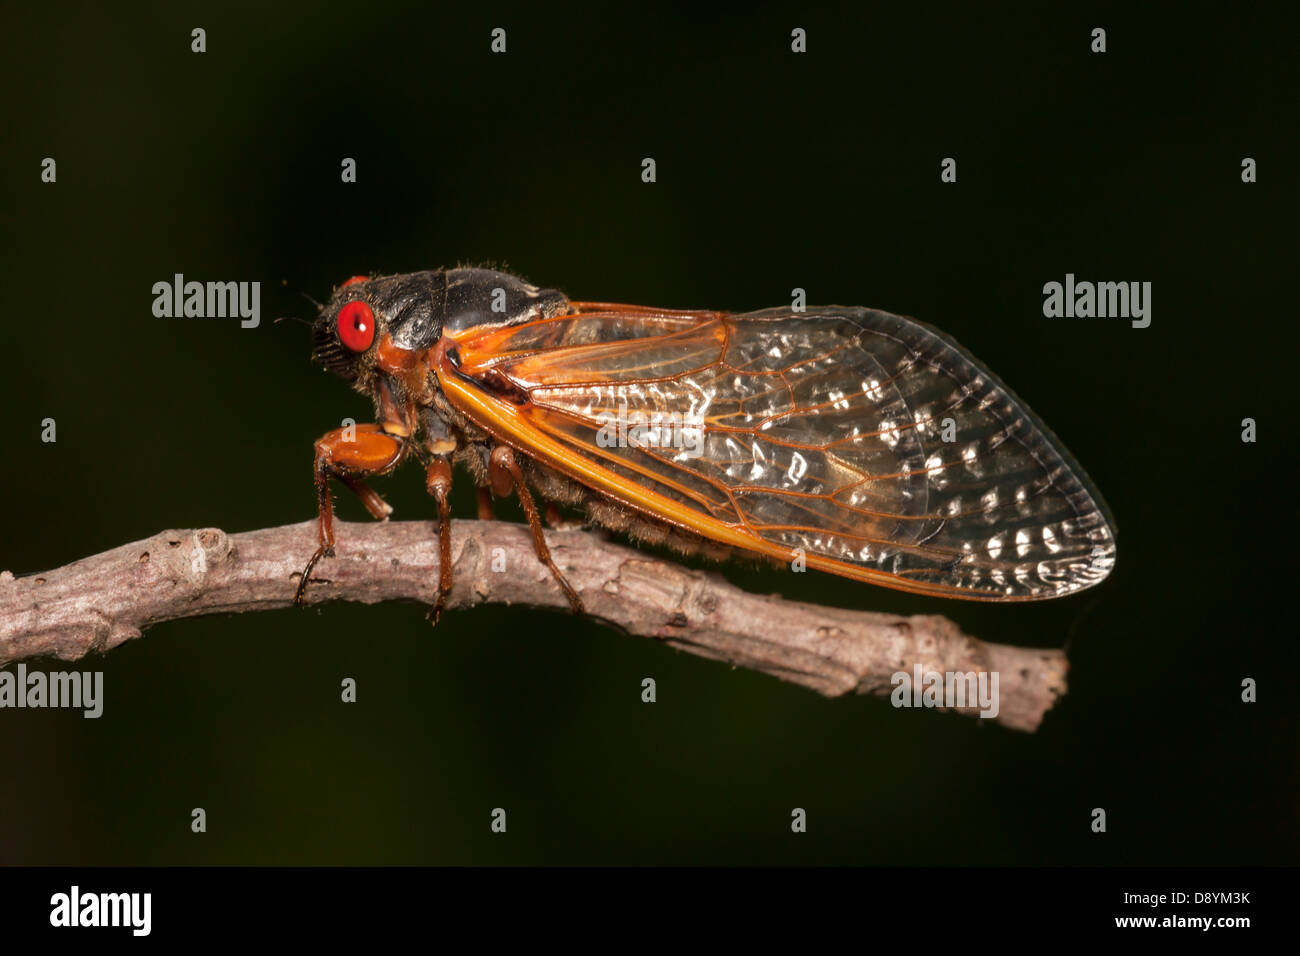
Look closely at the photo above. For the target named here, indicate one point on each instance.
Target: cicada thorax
(388, 336)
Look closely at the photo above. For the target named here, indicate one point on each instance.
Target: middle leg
(437, 480)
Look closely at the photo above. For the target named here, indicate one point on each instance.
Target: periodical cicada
(866, 444)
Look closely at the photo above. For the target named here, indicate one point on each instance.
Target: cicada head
(415, 310)
(363, 311)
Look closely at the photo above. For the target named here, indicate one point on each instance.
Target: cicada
(859, 442)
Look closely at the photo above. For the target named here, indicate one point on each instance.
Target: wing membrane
(872, 444)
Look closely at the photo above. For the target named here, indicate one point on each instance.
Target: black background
(775, 170)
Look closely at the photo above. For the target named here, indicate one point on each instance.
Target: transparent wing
(872, 444)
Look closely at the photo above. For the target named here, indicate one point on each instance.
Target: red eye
(356, 326)
(354, 280)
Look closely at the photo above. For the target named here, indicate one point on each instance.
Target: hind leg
(505, 476)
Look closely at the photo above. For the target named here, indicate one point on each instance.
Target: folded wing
(871, 444)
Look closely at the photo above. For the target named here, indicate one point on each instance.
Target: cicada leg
(504, 474)
(485, 504)
(379, 508)
(350, 455)
(438, 483)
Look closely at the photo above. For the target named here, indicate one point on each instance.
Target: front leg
(350, 454)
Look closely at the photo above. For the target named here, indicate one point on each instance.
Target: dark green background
(775, 171)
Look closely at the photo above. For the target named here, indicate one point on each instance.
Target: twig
(97, 603)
